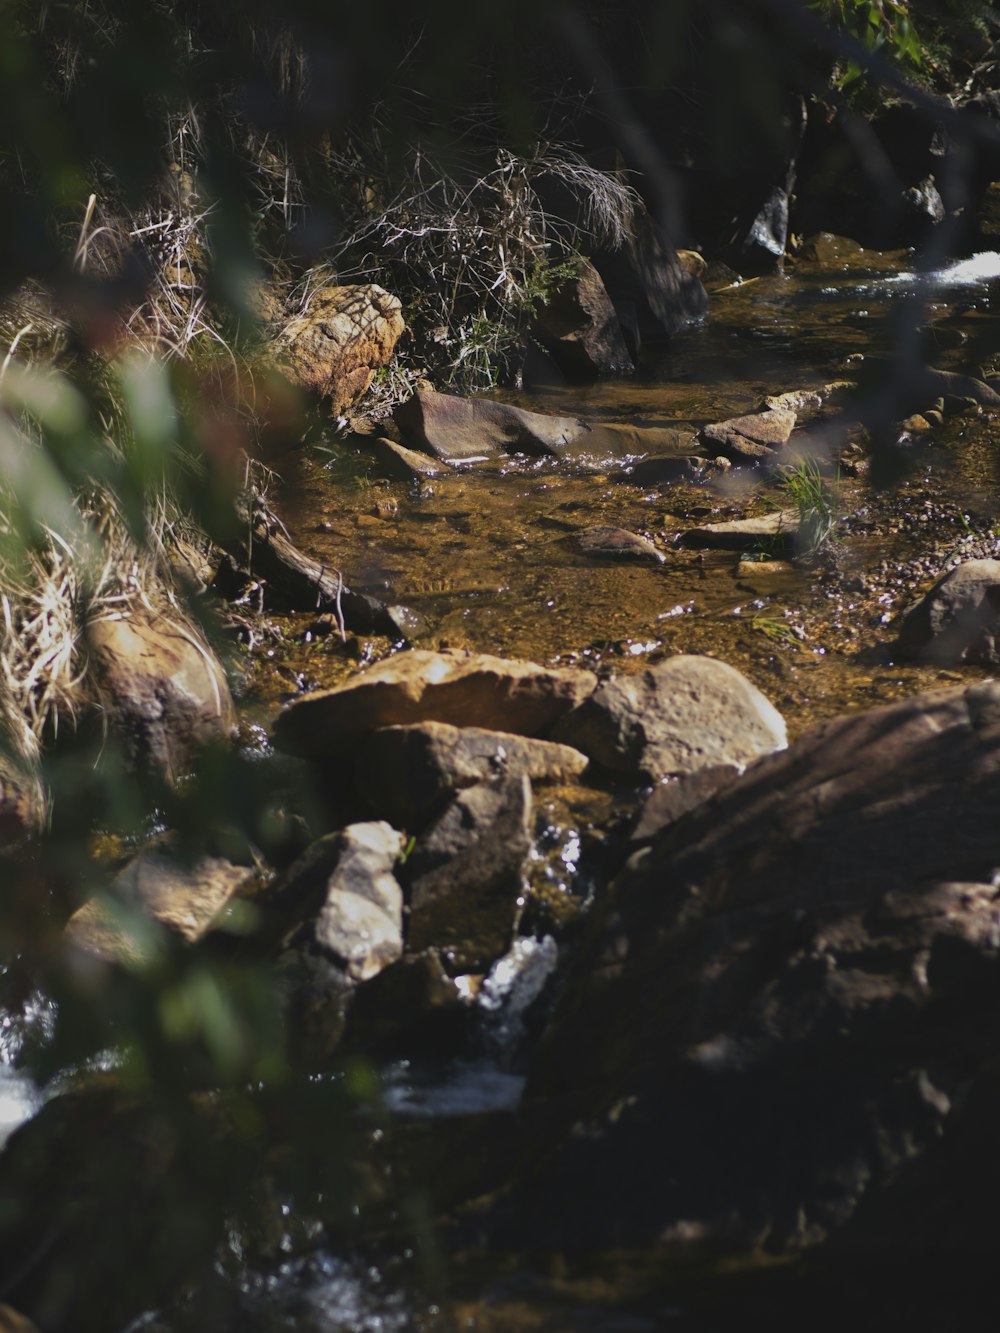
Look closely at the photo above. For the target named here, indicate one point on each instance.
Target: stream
(487, 558)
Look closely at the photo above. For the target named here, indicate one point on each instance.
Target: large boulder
(578, 326)
(680, 715)
(162, 690)
(786, 998)
(464, 689)
(339, 339)
(405, 773)
(958, 620)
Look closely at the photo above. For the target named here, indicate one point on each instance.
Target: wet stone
(680, 715)
(467, 873)
(406, 773)
(607, 543)
(398, 463)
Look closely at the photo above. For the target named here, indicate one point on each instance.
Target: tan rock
(743, 533)
(335, 345)
(464, 689)
(184, 898)
(752, 437)
(163, 691)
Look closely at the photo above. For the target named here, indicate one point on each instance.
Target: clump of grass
(815, 499)
(776, 629)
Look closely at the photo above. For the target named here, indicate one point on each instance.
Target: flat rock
(743, 533)
(449, 427)
(162, 690)
(958, 620)
(155, 884)
(750, 438)
(662, 469)
(398, 463)
(467, 874)
(406, 773)
(464, 689)
(680, 715)
(605, 543)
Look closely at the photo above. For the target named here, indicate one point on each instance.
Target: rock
(449, 427)
(693, 264)
(467, 873)
(406, 773)
(749, 439)
(644, 276)
(578, 326)
(832, 251)
(411, 1006)
(464, 689)
(398, 463)
(360, 923)
(922, 209)
(958, 620)
(23, 804)
(161, 688)
(742, 534)
(185, 898)
(617, 544)
(335, 345)
(672, 800)
(785, 999)
(799, 401)
(680, 715)
(662, 469)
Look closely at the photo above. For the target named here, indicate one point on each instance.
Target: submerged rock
(162, 690)
(407, 772)
(785, 998)
(578, 326)
(606, 543)
(958, 620)
(335, 345)
(156, 884)
(464, 689)
(401, 464)
(682, 714)
(467, 873)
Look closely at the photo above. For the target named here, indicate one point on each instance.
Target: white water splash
(983, 267)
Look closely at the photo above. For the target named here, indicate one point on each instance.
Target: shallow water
(487, 555)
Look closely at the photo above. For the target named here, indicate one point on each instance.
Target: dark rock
(23, 804)
(742, 534)
(185, 898)
(682, 714)
(749, 439)
(467, 873)
(921, 209)
(464, 689)
(785, 998)
(645, 275)
(162, 690)
(406, 773)
(401, 464)
(672, 800)
(761, 249)
(578, 326)
(617, 544)
(958, 620)
(660, 470)
(413, 1006)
